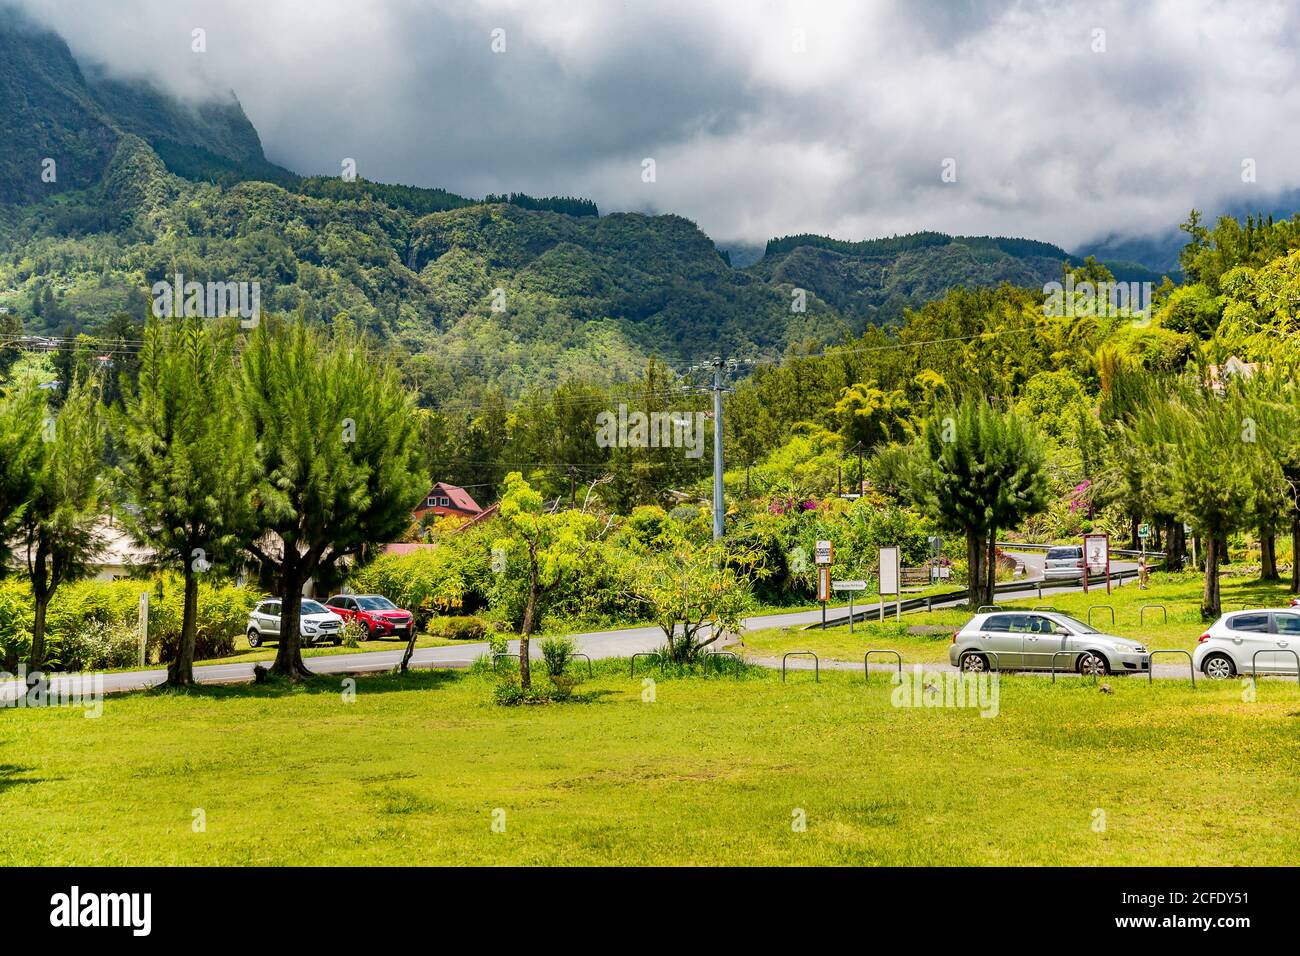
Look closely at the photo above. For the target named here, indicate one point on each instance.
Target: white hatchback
(1265, 641)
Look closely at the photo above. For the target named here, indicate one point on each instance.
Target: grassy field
(712, 771)
(1180, 594)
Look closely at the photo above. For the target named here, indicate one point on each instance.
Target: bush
(557, 652)
(467, 628)
(15, 624)
(100, 645)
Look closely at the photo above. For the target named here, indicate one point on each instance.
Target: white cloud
(754, 138)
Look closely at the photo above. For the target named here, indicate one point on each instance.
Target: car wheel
(1218, 667)
(1092, 665)
(973, 662)
(367, 633)
(254, 639)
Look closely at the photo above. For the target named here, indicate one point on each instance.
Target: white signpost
(889, 580)
(1096, 556)
(144, 625)
(849, 586)
(824, 555)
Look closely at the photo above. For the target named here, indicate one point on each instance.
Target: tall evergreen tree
(336, 457)
(57, 528)
(186, 459)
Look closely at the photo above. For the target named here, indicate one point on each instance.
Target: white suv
(1243, 642)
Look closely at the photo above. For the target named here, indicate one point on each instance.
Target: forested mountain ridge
(486, 296)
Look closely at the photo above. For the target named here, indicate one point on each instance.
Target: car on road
(1266, 641)
(1065, 561)
(378, 616)
(1037, 640)
(316, 624)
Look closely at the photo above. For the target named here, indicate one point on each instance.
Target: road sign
(848, 585)
(823, 586)
(889, 558)
(825, 552)
(1144, 531)
(1096, 557)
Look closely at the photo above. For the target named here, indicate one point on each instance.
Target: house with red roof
(445, 500)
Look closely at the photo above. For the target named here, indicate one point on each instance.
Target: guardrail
(1254, 671)
(866, 671)
(1151, 667)
(817, 674)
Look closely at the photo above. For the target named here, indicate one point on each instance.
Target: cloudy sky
(1065, 121)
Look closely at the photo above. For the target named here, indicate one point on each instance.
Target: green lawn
(711, 772)
(1180, 594)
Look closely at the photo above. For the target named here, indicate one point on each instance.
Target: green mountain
(498, 294)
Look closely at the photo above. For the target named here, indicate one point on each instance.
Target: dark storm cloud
(763, 118)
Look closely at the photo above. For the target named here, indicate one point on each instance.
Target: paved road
(596, 644)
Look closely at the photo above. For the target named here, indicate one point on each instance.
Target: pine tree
(186, 459)
(336, 457)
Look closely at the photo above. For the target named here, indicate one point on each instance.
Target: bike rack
(988, 607)
(866, 673)
(588, 659)
(1151, 667)
(1056, 654)
(497, 657)
(716, 654)
(1279, 650)
(662, 664)
(1142, 612)
(1098, 607)
(1046, 607)
(817, 676)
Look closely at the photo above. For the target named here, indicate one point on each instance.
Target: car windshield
(313, 607)
(376, 604)
(1076, 625)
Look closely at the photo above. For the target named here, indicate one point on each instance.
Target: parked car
(1028, 640)
(1064, 562)
(378, 616)
(1243, 642)
(316, 624)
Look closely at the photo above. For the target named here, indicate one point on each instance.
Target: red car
(379, 616)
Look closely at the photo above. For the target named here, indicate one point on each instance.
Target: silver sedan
(1041, 640)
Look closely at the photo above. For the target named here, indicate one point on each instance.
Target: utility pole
(573, 487)
(718, 367)
(719, 514)
(858, 446)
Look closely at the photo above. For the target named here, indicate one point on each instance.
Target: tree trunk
(974, 581)
(41, 600)
(1268, 554)
(288, 656)
(1133, 523)
(1176, 546)
(530, 614)
(1295, 554)
(991, 572)
(180, 672)
(1210, 596)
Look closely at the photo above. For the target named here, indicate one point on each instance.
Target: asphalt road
(596, 644)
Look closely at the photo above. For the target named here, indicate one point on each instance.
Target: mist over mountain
(499, 292)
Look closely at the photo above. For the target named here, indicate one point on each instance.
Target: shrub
(557, 653)
(15, 624)
(100, 645)
(468, 628)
